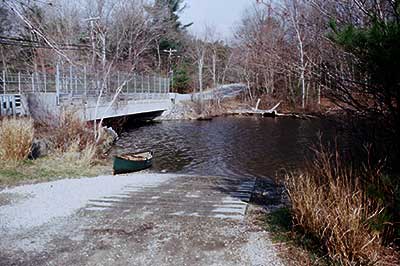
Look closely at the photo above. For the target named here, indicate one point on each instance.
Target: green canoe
(132, 162)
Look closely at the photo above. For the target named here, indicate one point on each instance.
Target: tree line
(295, 51)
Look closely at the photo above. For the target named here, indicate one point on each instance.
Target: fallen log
(255, 111)
(270, 112)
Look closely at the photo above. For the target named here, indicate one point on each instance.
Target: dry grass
(329, 202)
(71, 150)
(16, 137)
(50, 168)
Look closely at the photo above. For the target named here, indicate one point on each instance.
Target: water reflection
(243, 147)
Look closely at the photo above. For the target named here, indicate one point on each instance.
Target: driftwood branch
(269, 112)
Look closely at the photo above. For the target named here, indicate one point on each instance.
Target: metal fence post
(70, 78)
(45, 82)
(4, 82)
(159, 87)
(58, 84)
(117, 79)
(76, 84)
(127, 79)
(19, 82)
(153, 92)
(141, 88)
(84, 80)
(134, 86)
(37, 82)
(33, 82)
(148, 87)
(165, 86)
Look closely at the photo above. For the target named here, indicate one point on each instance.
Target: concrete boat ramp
(138, 219)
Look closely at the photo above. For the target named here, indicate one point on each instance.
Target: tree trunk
(200, 69)
(214, 69)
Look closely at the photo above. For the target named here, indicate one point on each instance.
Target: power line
(17, 39)
(2, 42)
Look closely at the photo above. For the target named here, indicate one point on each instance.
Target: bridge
(92, 96)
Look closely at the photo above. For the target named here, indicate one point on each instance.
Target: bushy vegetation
(71, 150)
(67, 130)
(16, 137)
(343, 208)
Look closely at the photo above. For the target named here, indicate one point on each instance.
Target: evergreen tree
(173, 8)
(375, 50)
(375, 91)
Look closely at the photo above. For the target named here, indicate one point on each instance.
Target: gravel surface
(138, 219)
(46, 201)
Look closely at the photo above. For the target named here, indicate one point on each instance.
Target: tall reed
(16, 137)
(330, 202)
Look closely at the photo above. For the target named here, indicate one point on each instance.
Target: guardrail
(69, 83)
(11, 105)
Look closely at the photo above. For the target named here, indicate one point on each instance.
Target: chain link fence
(72, 82)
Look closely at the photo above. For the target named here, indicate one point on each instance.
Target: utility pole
(170, 53)
(92, 37)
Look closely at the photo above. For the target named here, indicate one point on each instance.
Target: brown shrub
(329, 201)
(16, 137)
(66, 130)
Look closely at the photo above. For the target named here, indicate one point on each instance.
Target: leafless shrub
(66, 130)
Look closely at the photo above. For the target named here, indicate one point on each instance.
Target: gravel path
(138, 219)
(38, 204)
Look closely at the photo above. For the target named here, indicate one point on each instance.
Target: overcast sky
(221, 13)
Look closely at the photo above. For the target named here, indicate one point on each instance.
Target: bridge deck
(91, 108)
(91, 95)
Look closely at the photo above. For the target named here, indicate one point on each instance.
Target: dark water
(243, 147)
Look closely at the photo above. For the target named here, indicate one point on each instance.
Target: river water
(227, 146)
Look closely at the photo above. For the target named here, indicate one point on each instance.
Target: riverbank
(49, 169)
(188, 110)
(34, 151)
(191, 110)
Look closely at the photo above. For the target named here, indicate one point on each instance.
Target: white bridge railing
(72, 83)
(11, 105)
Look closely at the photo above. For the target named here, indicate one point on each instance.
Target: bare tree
(198, 46)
